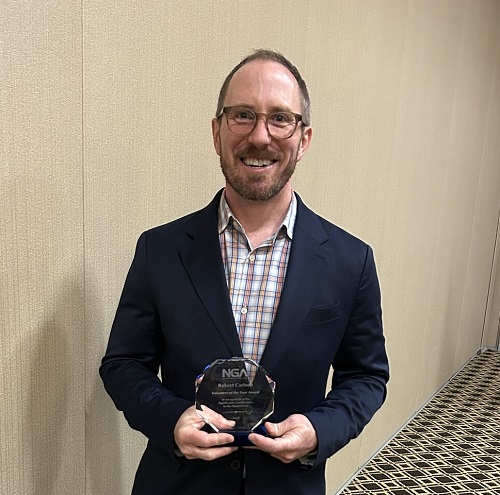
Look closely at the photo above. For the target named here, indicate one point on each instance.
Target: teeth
(257, 163)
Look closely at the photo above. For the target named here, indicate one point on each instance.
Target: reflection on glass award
(238, 389)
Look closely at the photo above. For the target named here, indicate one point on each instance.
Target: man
(254, 274)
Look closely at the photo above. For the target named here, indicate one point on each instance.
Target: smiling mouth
(257, 163)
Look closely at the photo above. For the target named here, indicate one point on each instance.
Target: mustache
(251, 151)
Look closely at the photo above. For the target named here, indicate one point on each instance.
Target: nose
(260, 134)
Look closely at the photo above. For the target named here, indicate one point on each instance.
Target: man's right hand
(196, 444)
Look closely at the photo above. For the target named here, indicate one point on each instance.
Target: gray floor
(452, 446)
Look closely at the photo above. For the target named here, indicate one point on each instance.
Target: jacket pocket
(322, 315)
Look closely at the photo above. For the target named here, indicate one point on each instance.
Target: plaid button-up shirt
(254, 276)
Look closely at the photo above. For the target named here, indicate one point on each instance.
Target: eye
(242, 115)
(282, 118)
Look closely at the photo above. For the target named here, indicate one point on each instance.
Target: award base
(240, 436)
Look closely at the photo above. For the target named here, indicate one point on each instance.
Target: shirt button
(244, 311)
(235, 465)
(252, 257)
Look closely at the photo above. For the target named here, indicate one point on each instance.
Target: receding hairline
(272, 56)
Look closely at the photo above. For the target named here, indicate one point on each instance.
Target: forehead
(264, 84)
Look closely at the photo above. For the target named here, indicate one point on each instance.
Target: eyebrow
(273, 109)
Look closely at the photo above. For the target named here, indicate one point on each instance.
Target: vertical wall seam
(84, 250)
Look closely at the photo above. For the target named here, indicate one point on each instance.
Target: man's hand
(289, 440)
(196, 444)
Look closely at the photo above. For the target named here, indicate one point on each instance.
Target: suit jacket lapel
(203, 262)
(304, 274)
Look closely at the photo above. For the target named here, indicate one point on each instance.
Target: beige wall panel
(401, 108)
(459, 245)
(434, 297)
(490, 188)
(484, 61)
(414, 185)
(41, 245)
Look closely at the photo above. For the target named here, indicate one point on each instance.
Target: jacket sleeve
(361, 371)
(130, 366)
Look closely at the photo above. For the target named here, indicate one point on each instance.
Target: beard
(259, 187)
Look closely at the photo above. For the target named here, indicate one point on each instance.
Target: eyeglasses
(242, 121)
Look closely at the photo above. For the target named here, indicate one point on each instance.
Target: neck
(260, 219)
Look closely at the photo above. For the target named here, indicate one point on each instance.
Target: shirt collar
(225, 216)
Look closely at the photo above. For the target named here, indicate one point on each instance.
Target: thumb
(274, 429)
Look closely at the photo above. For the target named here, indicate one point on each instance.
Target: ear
(216, 135)
(304, 143)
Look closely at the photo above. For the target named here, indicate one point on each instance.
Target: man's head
(279, 58)
(261, 129)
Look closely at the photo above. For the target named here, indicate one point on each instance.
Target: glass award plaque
(238, 389)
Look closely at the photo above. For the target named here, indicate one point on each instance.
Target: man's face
(258, 166)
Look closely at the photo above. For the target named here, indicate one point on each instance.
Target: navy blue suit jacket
(175, 316)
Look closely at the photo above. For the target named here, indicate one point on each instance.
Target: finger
(213, 418)
(274, 429)
(209, 454)
(202, 439)
(222, 423)
(208, 446)
(263, 443)
(212, 440)
(276, 448)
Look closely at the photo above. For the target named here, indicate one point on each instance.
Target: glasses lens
(241, 120)
(281, 125)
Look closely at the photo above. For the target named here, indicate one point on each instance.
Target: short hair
(262, 54)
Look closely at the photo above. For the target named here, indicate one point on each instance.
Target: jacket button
(235, 464)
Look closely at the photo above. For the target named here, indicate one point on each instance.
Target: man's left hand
(292, 439)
